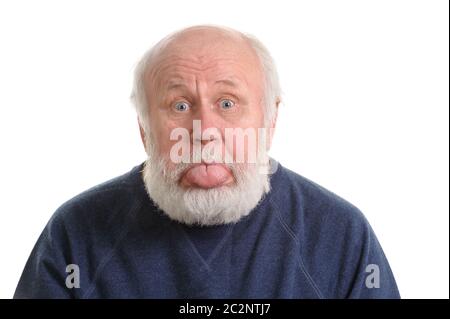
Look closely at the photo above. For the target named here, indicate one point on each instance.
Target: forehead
(220, 61)
(218, 70)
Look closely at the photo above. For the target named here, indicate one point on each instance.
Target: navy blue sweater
(301, 241)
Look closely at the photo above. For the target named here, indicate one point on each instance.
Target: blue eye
(181, 106)
(226, 104)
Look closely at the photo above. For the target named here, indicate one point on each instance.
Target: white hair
(272, 89)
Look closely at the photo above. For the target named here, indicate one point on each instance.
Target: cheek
(253, 114)
(258, 118)
(164, 142)
(248, 147)
(162, 132)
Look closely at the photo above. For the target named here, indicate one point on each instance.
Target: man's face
(216, 80)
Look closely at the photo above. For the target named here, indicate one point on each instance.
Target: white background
(365, 111)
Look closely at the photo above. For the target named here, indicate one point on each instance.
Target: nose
(207, 126)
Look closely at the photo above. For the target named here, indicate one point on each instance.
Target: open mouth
(207, 176)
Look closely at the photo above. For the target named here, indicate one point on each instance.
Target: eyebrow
(227, 82)
(175, 85)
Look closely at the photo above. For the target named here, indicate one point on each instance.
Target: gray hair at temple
(272, 87)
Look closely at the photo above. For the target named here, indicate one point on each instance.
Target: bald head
(203, 37)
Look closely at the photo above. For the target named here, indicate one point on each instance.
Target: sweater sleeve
(374, 278)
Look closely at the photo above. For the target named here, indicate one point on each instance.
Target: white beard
(197, 206)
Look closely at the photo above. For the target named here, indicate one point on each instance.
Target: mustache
(172, 172)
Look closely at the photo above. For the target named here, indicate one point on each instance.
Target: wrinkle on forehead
(176, 70)
(202, 49)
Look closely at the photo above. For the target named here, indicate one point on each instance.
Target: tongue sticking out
(207, 176)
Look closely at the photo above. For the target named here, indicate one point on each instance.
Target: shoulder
(99, 205)
(308, 203)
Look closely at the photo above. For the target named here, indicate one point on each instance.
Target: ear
(142, 132)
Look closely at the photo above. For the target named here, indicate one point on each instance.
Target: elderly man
(209, 214)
